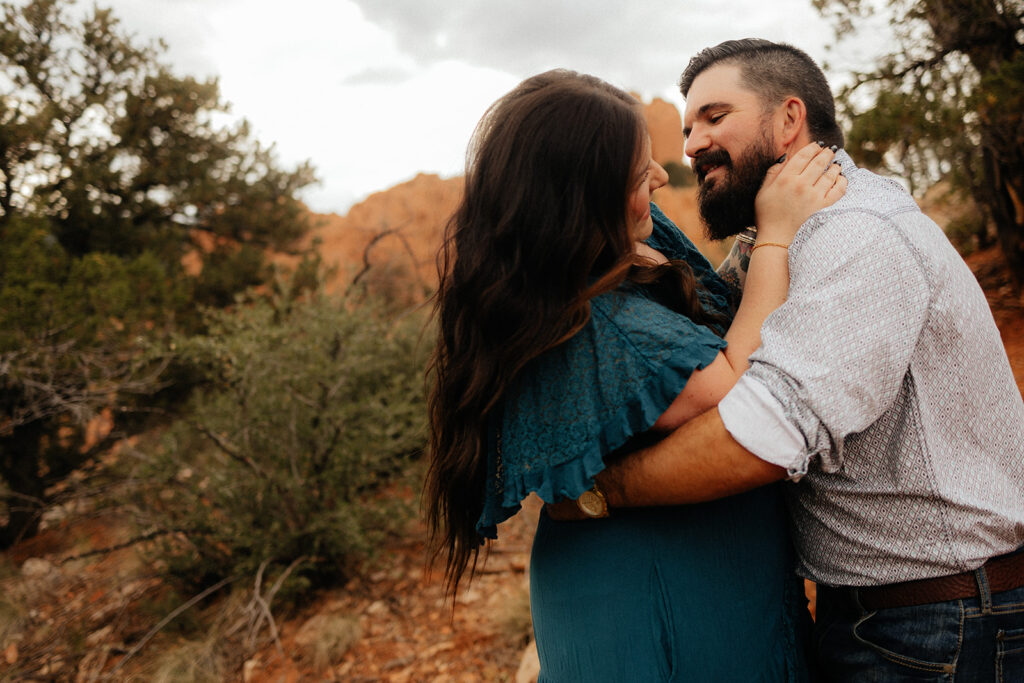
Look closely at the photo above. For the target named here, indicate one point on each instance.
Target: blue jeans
(976, 639)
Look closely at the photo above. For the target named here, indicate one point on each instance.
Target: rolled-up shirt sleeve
(758, 422)
(834, 356)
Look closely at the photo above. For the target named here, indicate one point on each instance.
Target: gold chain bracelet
(768, 244)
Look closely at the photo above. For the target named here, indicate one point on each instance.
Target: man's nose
(696, 142)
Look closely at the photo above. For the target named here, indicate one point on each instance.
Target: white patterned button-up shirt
(898, 409)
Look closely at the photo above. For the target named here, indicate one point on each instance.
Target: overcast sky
(374, 91)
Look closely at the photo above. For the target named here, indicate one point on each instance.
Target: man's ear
(790, 121)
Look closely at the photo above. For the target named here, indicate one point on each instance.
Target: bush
(114, 169)
(293, 447)
(680, 175)
(71, 339)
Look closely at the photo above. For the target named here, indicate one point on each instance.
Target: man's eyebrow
(702, 112)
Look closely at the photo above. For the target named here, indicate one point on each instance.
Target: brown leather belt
(1004, 573)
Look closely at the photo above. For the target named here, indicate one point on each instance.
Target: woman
(572, 322)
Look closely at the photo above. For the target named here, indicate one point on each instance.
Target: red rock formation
(390, 240)
(666, 128)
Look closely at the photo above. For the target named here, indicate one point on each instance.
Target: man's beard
(726, 203)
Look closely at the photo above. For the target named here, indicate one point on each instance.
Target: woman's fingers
(793, 191)
(837, 190)
(805, 157)
(821, 171)
(789, 167)
(805, 169)
(818, 165)
(831, 172)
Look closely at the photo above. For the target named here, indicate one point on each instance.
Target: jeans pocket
(1010, 655)
(922, 641)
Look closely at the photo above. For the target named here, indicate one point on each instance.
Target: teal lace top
(577, 403)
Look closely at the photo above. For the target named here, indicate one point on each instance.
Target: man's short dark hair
(775, 71)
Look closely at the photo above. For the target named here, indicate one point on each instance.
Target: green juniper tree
(946, 102)
(112, 169)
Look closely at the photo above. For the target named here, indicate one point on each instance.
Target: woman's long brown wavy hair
(542, 228)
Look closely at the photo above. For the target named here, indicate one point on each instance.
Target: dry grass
(326, 638)
(193, 661)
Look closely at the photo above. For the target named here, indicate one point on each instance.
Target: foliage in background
(112, 169)
(72, 329)
(680, 175)
(121, 155)
(946, 103)
(290, 451)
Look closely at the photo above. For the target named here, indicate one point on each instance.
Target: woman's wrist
(775, 232)
(778, 245)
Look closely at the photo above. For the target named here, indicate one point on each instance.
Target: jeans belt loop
(981, 576)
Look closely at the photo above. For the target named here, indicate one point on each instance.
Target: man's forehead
(720, 83)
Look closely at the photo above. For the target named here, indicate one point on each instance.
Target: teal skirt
(690, 593)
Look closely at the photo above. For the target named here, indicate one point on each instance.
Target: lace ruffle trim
(570, 479)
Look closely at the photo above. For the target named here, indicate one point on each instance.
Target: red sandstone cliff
(666, 128)
(392, 237)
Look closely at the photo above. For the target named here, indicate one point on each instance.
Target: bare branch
(168, 619)
(120, 546)
(225, 446)
(366, 257)
(258, 609)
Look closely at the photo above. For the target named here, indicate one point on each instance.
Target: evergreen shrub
(295, 450)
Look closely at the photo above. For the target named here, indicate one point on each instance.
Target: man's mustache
(716, 157)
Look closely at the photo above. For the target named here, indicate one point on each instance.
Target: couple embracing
(834, 403)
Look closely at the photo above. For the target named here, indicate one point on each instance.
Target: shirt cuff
(758, 422)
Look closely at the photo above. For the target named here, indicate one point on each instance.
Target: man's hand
(565, 510)
(698, 462)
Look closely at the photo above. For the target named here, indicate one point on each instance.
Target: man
(881, 385)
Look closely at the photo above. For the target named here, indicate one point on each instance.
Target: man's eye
(717, 117)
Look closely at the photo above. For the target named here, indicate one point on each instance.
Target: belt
(1003, 573)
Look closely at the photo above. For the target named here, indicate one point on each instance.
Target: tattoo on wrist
(732, 280)
(746, 240)
(744, 258)
(730, 276)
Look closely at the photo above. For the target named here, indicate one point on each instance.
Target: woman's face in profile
(648, 177)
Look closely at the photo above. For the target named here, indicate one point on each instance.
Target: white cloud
(379, 76)
(641, 45)
(387, 133)
(374, 91)
(180, 23)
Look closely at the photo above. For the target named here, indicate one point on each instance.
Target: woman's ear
(790, 121)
